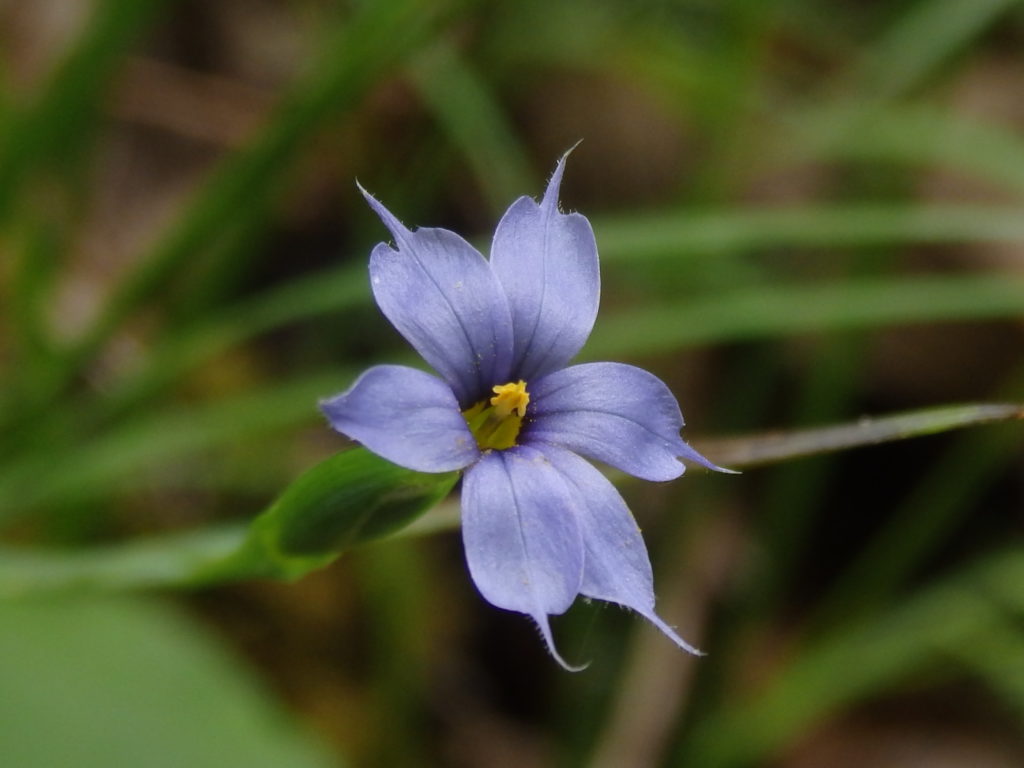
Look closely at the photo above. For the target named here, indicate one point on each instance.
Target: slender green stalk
(227, 553)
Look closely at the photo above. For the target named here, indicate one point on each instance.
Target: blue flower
(540, 525)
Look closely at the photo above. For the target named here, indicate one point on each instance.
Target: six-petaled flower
(540, 525)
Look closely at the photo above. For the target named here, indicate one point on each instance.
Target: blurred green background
(806, 212)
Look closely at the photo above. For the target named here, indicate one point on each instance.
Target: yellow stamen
(510, 397)
(496, 423)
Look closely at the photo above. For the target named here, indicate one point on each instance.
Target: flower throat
(495, 423)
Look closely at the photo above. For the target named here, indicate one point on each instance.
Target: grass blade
(55, 123)
(780, 310)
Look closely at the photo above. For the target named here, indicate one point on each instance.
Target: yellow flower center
(495, 423)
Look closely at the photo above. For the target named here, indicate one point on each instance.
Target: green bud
(349, 499)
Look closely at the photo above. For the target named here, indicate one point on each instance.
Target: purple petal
(407, 416)
(616, 567)
(547, 263)
(522, 538)
(442, 296)
(612, 412)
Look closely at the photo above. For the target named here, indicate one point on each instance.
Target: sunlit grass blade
(912, 136)
(199, 557)
(752, 451)
(787, 309)
(623, 241)
(686, 232)
(157, 561)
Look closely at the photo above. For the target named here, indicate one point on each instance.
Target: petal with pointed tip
(547, 263)
(407, 416)
(442, 296)
(521, 535)
(612, 412)
(616, 567)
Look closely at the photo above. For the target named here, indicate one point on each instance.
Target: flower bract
(540, 524)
